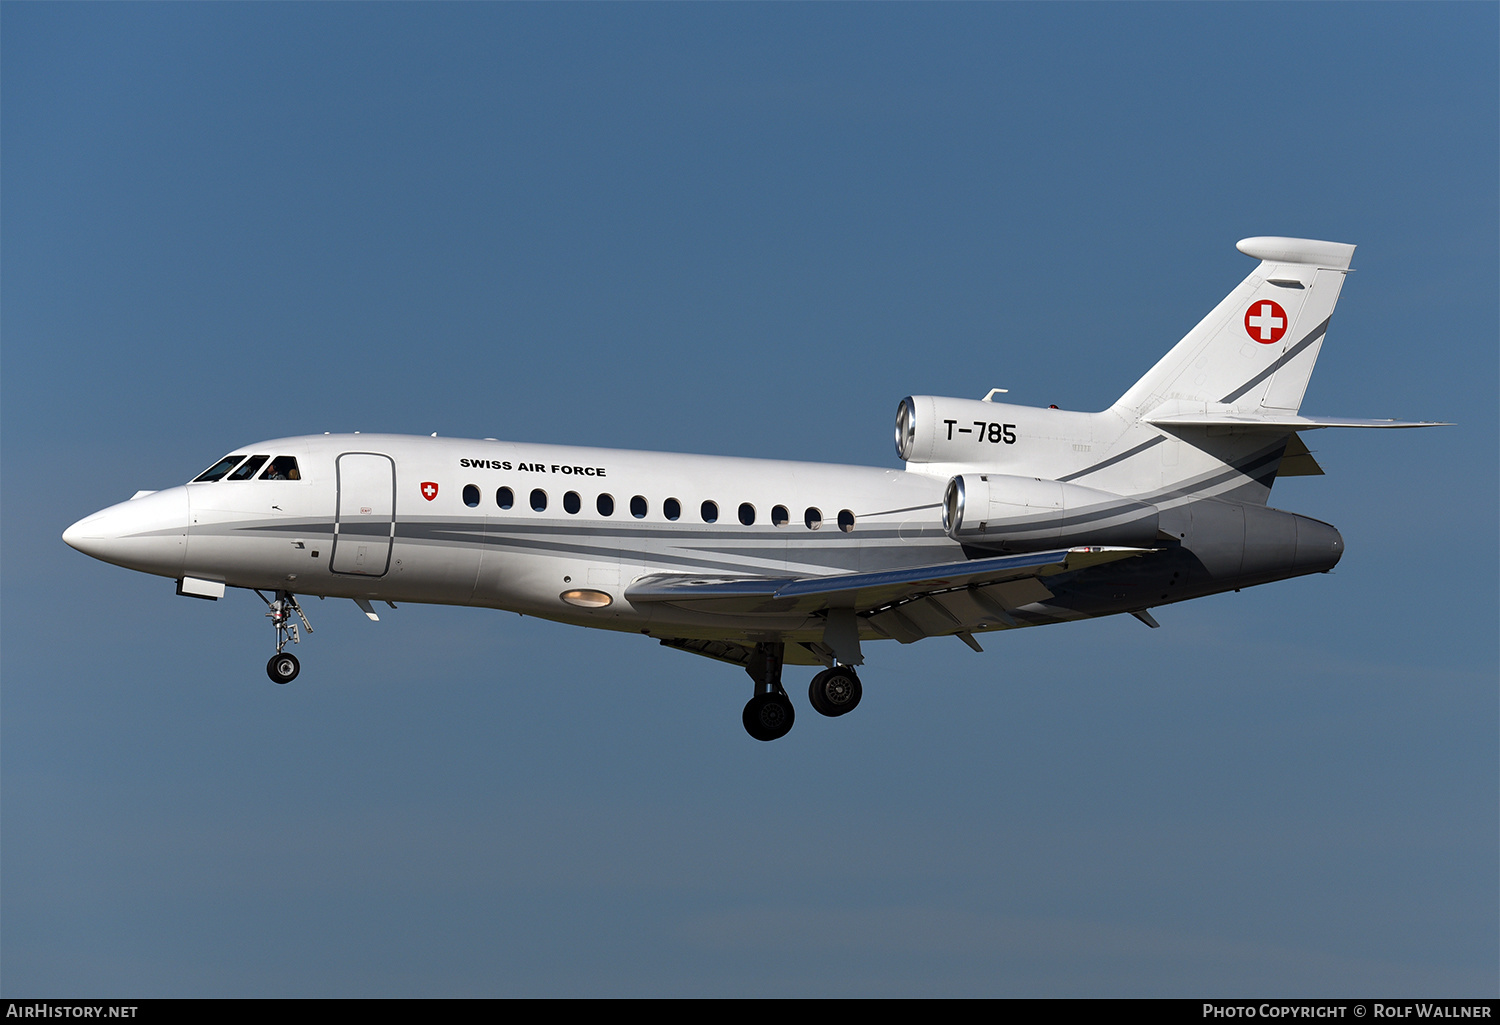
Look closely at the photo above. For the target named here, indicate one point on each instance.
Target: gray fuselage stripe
(1252, 467)
(834, 550)
(1112, 460)
(419, 529)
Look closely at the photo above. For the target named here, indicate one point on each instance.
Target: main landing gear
(283, 666)
(769, 714)
(835, 691)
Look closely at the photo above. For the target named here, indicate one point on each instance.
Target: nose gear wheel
(284, 667)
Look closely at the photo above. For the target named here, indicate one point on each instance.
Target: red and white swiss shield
(429, 490)
(1265, 321)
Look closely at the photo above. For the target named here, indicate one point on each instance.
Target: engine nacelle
(991, 435)
(1023, 514)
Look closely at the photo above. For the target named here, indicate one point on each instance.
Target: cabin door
(366, 518)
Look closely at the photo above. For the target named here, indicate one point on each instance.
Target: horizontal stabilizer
(859, 591)
(1279, 422)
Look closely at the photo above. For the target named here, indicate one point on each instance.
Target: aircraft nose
(77, 535)
(148, 533)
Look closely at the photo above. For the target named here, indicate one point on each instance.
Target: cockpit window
(282, 468)
(247, 471)
(219, 469)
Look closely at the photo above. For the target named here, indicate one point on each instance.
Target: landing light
(585, 598)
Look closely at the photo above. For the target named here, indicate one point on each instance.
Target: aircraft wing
(1263, 421)
(865, 592)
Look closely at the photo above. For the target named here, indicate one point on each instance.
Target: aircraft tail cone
(1319, 545)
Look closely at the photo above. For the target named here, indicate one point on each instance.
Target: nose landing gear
(283, 666)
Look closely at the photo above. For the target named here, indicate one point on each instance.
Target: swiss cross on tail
(429, 490)
(1265, 321)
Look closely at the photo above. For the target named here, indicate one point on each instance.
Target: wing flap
(895, 624)
(957, 612)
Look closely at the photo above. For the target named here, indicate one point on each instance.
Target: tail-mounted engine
(1019, 514)
(932, 430)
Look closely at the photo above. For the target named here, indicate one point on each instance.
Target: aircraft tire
(835, 692)
(769, 716)
(283, 668)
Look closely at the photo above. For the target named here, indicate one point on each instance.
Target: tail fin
(1256, 349)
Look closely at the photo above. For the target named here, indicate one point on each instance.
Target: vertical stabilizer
(1256, 349)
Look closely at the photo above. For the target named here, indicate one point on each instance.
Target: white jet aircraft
(1005, 516)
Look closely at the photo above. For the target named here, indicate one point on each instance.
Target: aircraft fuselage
(516, 526)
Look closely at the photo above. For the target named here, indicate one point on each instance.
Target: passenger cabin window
(813, 518)
(219, 469)
(505, 498)
(539, 500)
(710, 511)
(780, 516)
(846, 521)
(638, 507)
(572, 503)
(282, 468)
(747, 513)
(672, 509)
(605, 504)
(248, 470)
(471, 496)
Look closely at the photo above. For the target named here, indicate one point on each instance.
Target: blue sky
(747, 230)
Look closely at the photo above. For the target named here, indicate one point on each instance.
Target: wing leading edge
(863, 592)
(1279, 423)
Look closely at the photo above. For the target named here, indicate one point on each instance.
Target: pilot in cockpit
(282, 468)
